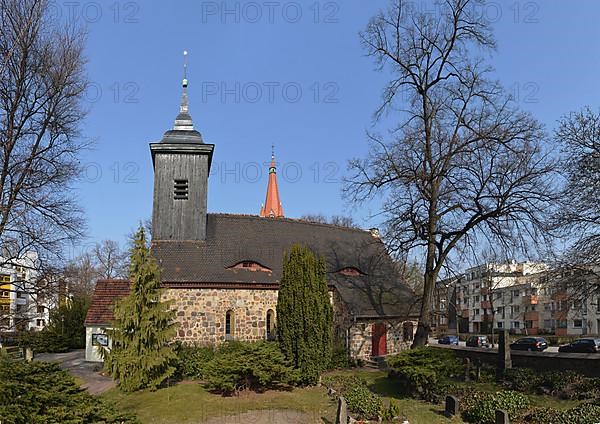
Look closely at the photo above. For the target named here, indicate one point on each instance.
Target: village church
(222, 271)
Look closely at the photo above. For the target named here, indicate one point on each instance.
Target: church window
(250, 266)
(351, 271)
(270, 324)
(180, 189)
(229, 325)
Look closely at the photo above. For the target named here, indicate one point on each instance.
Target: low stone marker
(451, 406)
(28, 354)
(342, 411)
(502, 417)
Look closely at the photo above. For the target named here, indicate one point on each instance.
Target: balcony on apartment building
(531, 316)
(530, 299)
(486, 304)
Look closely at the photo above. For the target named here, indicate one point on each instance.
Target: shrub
(483, 409)
(238, 366)
(40, 392)
(340, 359)
(344, 383)
(564, 384)
(426, 372)
(364, 403)
(192, 360)
(585, 413)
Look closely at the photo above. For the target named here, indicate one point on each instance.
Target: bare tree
(579, 214)
(41, 90)
(463, 163)
(111, 260)
(339, 220)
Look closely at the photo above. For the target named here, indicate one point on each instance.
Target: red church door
(379, 340)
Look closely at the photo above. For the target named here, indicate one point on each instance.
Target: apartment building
(22, 305)
(525, 298)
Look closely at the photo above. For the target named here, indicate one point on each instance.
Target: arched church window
(229, 325)
(408, 331)
(270, 324)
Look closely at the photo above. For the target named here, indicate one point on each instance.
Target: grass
(191, 403)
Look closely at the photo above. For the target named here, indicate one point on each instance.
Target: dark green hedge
(42, 393)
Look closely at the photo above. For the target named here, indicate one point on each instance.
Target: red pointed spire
(272, 207)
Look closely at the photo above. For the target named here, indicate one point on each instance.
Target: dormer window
(180, 189)
(250, 266)
(351, 272)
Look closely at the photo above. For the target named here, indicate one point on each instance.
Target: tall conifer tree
(304, 313)
(140, 356)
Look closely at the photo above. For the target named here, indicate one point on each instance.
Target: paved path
(75, 363)
(267, 416)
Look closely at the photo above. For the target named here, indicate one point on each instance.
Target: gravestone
(502, 417)
(504, 360)
(342, 411)
(28, 354)
(451, 406)
(477, 369)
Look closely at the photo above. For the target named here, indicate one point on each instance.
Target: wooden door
(379, 340)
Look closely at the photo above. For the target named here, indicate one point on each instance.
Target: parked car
(478, 341)
(530, 343)
(448, 340)
(581, 346)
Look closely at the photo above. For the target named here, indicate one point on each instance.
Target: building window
(528, 324)
(500, 324)
(270, 324)
(5, 294)
(4, 278)
(578, 323)
(229, 325)
(180, 189)
(40, 322)
(516, 324)
(40, 309)
(99, 339)
(476, 312)
(20, 295)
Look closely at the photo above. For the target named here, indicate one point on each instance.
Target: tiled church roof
(105, 294)
(233, 239)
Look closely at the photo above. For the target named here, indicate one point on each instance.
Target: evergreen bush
(483, 409)
(192, 360)
(140, 356)
(40, 393)
(304, 313)
(240, 366)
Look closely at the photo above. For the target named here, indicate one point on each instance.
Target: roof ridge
(287, 219)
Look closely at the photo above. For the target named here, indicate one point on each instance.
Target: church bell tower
(181, 166)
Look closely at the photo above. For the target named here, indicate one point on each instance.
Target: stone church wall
(399, 336)
(201, 313)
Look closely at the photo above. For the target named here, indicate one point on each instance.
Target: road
(75, 363)
(433, 341)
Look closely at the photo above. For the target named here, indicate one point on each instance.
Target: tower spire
(272, 207)
(183, 122)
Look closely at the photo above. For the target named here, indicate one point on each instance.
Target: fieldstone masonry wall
(201, 313)
(361, 337)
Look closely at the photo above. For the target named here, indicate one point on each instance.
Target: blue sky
(248, 62)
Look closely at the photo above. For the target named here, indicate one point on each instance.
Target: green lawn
(190, 403)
